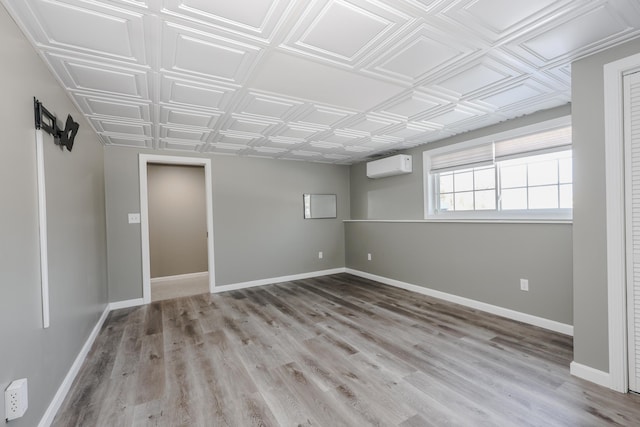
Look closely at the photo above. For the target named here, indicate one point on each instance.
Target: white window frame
(530, 215)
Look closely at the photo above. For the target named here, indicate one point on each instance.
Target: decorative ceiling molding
(334, 81)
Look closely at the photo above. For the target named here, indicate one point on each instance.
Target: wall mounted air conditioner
(394, 165)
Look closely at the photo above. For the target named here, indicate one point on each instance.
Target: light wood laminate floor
(179, 287)
(331, 351)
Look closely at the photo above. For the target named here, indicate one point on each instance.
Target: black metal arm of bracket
(49, 123)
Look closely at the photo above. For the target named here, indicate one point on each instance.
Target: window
(525, 174)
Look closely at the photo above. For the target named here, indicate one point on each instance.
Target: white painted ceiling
(320, 80)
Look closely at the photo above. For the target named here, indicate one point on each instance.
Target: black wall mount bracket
(49, 123)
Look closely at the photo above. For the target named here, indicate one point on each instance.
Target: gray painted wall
(177, 219)
(259, 232)
(484, 262)
(480, 261)
(76, 220)
(589, 218)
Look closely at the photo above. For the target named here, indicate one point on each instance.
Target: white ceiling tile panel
(422, 53)
(179, 146)
(81, 74)
(129, 128)
(495, 20)
(235, 138)
(172, 116)
(268, 107)
(206, 55)
(298, 131)
(127, 142)
(222, 148)
(50, 23)
(334, 81)
(344, 30)
(185, 92)
(183, 134)
(110, 107)
(578, 33)
(323, 116)
(522, 92)
(476, 77)
(407, 131)
(370, 124)
(244, 17)
(281, 141)
(411, 105)
(342, 138)
(358, 149)
(239, 123)
(270, 150)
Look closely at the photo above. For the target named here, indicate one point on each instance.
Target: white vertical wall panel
(632, 190)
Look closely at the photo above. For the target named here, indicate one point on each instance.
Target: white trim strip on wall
(588, 373)
(185, 276)
(42, 222)
(64, 388)
(127, 304)
(263, 282)
(541, 322)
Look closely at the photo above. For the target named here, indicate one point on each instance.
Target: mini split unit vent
(394, 165)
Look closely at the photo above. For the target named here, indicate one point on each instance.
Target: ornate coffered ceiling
(331, 81)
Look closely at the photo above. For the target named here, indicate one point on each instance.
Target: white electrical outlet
(320, 255)
(368, 257)
(524, 285)
(16, 399)
(134, 218)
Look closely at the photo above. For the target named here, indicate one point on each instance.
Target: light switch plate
(134, 218)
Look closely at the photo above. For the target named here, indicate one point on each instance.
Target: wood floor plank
(331, 351)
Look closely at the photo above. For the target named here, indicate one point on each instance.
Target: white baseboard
(590, 374)
(489, 308)
(185, 276)
(262, 282)
(64, 388)
(126, 304)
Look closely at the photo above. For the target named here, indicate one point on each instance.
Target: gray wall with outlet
(259, 229)
(76, 223)
(481, 261)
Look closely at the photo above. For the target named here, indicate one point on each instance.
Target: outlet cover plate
(16, 399)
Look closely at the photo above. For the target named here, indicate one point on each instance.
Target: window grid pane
(467, 189)
(529, 183)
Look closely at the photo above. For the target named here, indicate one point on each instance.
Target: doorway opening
(176, 226)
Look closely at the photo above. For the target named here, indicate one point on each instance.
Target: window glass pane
(513, 176)
(463, 181)
(543, 197)
(566, 170)
(464, 201)
(446, 202)
(541, 173)
(566, 196)
(485, 179)
(514, 199)
(446, 182)
(485, 199)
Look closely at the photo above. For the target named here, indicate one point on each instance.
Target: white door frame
(615, 208)
(144, 160)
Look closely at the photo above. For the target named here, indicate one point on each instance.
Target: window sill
(469, 221)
